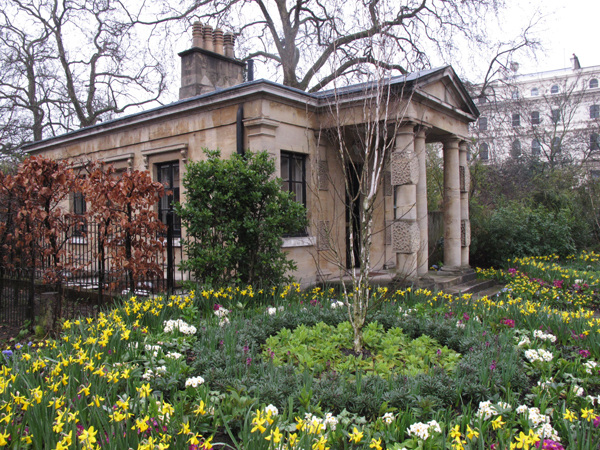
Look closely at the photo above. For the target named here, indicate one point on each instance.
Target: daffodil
(356, 436)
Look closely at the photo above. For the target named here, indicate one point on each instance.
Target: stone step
(470, 287)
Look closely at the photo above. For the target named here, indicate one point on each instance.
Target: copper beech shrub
(36, 221)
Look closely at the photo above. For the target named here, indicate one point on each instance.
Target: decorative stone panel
(405, 169)
(465, 178)
(323, 229)
(405, 236)
(465, 233)
(388, 232)
(323, 175)
(387, 183)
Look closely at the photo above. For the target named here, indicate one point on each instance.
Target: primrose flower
(388, 418)
(194, 381)
(179, 325)
(590, 366)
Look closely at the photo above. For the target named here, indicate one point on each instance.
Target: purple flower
(548, 444)
(466, 317)
(7, 353)
(558, 283)
(585, 353)
(510, 323)
(493, 366)
(248, 361)
(512, 271)
(439, 352)
(217, 307)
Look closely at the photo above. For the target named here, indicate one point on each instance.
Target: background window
(594, 145)
(484, 152)
(536, 148)
(483, 123)
(515, 150)
(556, 145)
(593, 83)
(79, 209)
(293, 175)
(554, 89)
(535, 92)
(168, 174)
(594, 111)
(555, 115)
(535, 118)
(516, 120)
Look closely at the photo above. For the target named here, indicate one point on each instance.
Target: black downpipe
(239, 131)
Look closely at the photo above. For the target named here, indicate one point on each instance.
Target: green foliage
(321, 348)
(235, 215)
(526, 208)
(516, 231)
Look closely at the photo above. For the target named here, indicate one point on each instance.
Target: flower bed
(255, 369)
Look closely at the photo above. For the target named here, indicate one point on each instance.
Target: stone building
(218, 109)
(551, 116)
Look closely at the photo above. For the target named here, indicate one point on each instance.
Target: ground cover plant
(258, 369)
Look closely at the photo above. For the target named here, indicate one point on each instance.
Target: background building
(552, 116)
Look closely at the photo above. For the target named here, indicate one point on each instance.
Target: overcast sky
(567, 27)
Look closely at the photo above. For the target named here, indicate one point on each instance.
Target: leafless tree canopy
(313, 42)
(68, 64)
(71, 63)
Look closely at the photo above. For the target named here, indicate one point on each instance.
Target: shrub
(235, 215)
(516, 231)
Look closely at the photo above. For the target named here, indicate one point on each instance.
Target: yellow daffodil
(356, 436)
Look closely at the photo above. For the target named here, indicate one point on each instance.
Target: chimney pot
(228, 45)
(208, 38)
(218, 41)
(198, 35)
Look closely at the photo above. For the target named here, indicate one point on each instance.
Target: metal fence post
(170, 254)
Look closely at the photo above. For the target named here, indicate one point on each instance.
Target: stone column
(422, 212)
(452, 212)
(465, 225)
(404, 177)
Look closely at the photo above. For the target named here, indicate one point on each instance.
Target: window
(554, 89)
(515, 95)
(594, 111)
(535, 92)
(293, 175)
(168, 174)
(593, 83)
(79, 209)
(482, 99)
(555, 115)
(535, 118)
(536, 148)
(515, 150)
(484, 152)
(556, 145)
(483, 123)
(516, 120)
(594, 143)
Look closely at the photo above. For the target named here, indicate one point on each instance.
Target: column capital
(463, 146)
(405, 128)
(421, 131)
(451, 141)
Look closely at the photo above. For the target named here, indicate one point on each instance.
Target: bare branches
(71, 63)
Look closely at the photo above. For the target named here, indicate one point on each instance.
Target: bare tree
(363, 134)
(314, 42)
(69, 64)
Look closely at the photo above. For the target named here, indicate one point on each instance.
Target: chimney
(575, 62)
(210, 63)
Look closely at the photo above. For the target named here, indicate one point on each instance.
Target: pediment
(444, 86)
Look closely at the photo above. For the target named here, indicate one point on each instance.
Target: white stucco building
(551, 116)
